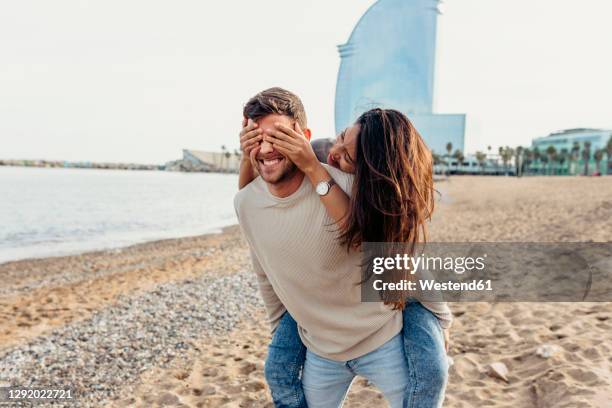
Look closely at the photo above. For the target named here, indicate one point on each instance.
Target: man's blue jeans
(326, 382)
(423, 344)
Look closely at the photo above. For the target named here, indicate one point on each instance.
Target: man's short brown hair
(275, 100)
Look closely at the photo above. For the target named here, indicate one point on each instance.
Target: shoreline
(55, 164)
(119, 248)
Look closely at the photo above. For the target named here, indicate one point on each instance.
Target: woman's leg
(326, 382)
(426, 356)
(286, 355)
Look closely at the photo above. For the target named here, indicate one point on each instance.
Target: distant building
(197, 160)
(492, 165)
(569, 146)
(566, 139)
(389, 62)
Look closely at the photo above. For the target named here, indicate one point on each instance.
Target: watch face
(322, 188)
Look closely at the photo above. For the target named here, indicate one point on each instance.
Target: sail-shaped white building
(389, 62)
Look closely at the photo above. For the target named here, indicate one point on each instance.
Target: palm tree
(586, 156)
(227, 157)
(481, 158)
(554, 160)
(509, 153)
(449, 149)
(223, 149)
(518, 155)
(574, 156)
(506, 154)
(459, 156)
(609, 154)
(550, 152)
(544, 161)
(536, 157)
(237, 155)
(527, 160)
(598, 156)
(563, 156)
(436, 158)
(437, 161)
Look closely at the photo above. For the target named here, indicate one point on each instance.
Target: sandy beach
(179, 322)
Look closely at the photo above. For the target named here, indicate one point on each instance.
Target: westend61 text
(432, 285)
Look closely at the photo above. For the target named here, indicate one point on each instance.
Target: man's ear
(306, 132)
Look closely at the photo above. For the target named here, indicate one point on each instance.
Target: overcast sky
(127, 80)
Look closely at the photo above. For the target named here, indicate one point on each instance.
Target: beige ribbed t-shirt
(302, 268)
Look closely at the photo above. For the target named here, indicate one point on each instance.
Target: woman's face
(342, 153)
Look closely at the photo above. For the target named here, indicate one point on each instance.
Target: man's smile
(270, 163)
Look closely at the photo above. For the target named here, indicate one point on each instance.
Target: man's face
(272, 166)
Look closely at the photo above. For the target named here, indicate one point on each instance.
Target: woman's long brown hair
(393, 193)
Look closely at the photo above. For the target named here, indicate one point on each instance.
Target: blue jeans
(283, 368)
(426, 356)
(326, 382)
(423, 343)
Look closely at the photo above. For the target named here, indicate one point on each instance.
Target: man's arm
(274, 307)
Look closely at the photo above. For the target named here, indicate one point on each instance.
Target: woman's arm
(293, 144)
(250, 137)
(246, 174)
(336, 201)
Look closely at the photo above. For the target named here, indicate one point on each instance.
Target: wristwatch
(323, 187)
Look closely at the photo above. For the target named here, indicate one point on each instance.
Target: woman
(391, 201)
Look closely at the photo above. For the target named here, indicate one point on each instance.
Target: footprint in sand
(181, 375)
(168, 399)
(584, 376)
(204, 391)
(251, 386)
(591, 353)
(210, 372)
(247, 368)
(254, 386)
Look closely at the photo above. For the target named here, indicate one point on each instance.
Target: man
(303, 270)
